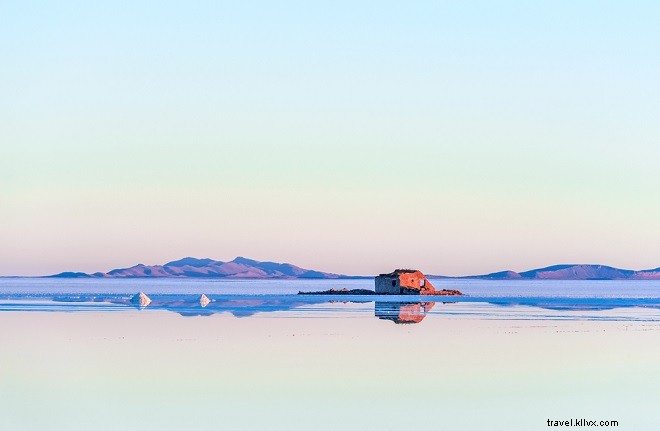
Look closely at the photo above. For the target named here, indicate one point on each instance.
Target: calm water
(472, 288)
(79, 355)
(241, 298)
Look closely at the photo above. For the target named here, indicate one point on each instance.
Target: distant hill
(191, 267)
(574, 272)
(247, 268)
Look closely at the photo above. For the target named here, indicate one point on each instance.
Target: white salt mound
(141, 299)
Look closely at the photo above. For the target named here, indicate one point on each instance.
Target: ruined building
(404, 282)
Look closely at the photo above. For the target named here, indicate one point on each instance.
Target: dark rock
(343, 291)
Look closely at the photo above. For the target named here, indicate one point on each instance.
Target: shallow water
(78, 355)
(472, 288)
(551, 299)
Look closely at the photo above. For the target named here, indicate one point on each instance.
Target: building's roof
(397, 272)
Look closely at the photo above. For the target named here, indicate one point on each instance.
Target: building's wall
(410, 280)
(406, 283)
(384, 286)
(428, 288)
(415, 283)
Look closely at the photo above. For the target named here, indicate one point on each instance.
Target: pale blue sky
(457, 137)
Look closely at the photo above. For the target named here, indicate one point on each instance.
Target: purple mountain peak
(187, 267)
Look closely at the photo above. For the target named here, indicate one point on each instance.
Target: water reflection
(400, 310)
(189, 305)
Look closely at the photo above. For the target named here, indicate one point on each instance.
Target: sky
(350, 137)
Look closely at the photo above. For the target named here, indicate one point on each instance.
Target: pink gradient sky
(454, 139)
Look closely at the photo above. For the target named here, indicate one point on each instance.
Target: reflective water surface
(84, 356)
(395, 308)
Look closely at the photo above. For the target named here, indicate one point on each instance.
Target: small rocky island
(343, 291)
(398, 282)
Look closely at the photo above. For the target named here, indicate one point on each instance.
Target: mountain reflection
(186, 305)
(397, 309)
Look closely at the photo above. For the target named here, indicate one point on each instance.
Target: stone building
(404, 282)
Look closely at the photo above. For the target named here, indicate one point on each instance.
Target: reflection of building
(403, 312)
(404, 282)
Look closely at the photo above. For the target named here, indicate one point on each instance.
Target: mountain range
(242, 267)
(573, 272)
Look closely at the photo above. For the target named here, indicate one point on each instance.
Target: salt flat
(327, 367)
